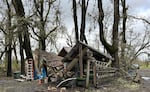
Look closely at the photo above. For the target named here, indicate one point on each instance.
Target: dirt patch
(8, 84)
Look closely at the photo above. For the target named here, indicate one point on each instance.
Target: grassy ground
(145, 66)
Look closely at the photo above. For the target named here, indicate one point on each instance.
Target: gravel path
(14, 86)
(145, 81)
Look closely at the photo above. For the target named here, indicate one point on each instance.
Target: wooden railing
(104, 72)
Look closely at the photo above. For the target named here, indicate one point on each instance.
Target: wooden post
(88, 74)
(94, 74)
(81, 60)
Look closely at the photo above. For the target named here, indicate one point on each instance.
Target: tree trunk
(124, 21)
(75, 20)
(9, 65)
(115, 33)
(82, 36)
(27, 45)
(83, 23)
(39, 6)
(42, 44)
(112, 49)
(15, 53)
(21, 14)
(9, 36)
(123, 43)
(101, 31)
(21, 53)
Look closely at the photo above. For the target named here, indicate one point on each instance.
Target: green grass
(15, 66)
(145, 67)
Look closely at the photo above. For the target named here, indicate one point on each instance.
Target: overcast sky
(139, 7)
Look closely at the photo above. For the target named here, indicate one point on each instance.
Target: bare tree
(139, 18)
(137, 45)
(112, 49)
(123, 34)
(69, 40)
(22, 33)
(43, 15)
(8, 40)
(84, 6)
(83, 21)
(74, 4)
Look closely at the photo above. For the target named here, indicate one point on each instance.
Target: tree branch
(101, 31)
(2, 53)
(51, 31)
(1, 27)
(3, 30)
(146, 21)
(87, 3)
(75, 20)
(69, 41)
(49, 7)
(34, 31)
(36, 7)
(34, 38)
(49, 3)
(138, 51)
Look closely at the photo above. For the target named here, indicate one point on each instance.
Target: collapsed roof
(75, 51)
(51, 59)
(64, 51)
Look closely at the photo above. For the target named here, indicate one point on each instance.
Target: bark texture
(22, 33)
(112, 49)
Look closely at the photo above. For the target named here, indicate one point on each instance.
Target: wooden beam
(109, 63)
(81, 60)
(72, 64)
(68, 56)
(94, 74)
(75, 60)
(88, 74)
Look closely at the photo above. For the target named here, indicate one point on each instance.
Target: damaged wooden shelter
(51, 60)
(81, 63)
(87, 63)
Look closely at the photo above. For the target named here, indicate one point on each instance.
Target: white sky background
(139, 8)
